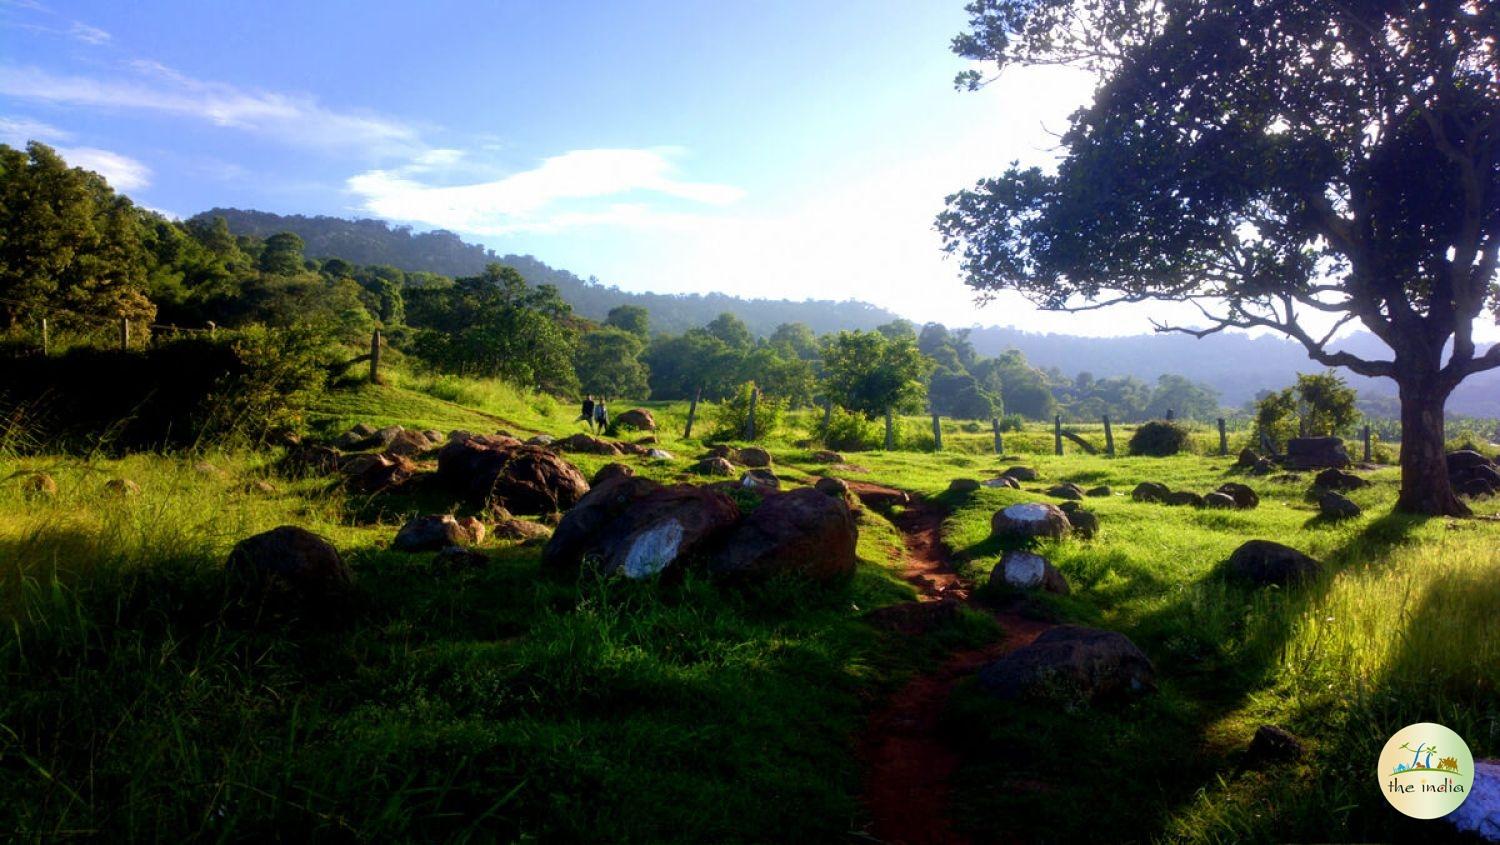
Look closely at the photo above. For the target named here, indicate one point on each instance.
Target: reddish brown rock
(1072, 662)
(588, 445)
(637, 418)
(523, 479)
(801, 532)
(638, 528)
(290, 558)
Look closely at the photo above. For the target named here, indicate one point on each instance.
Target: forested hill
(377, 242)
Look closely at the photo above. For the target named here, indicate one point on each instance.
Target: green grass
(140, 701)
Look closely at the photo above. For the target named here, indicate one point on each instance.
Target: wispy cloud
(88, 34)
(294, 119)
(557, 194)
(16, 131)
(122, 172)
(34, 17)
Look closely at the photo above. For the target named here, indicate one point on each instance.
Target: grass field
(140, 702)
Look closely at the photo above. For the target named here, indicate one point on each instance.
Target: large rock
(437, 531)
(1150, 491)
(1028, 571)
(1244, 497)
(1263, 563)
(801, 532)
(963, 485)
(1003, 481)
(755, 457)
(1066, 490)
(1021, 473)
(835, 487)
(292, 558)
(1272, 744)
(609, 471)
(1100, 492)
(1085, 522)
(122, 487)
(1074, 662)
(588, 445)
(1480, 812)
(524, 479)
(826, 457)
(728, 453)
(1183, 498)
(637, 418)
(638, 528)
(520, 530)
(762, 480)
(1218, 501)
(1316, 452)
(409, 444)
(370, 473)
(714, 466)
(1466, 459)
(1248, 458)
(1335, 506)
(1336, 479)
(1030, 521)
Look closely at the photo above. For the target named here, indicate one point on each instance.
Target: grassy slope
(501, 702)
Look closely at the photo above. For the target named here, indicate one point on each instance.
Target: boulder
(835, 487)
(638, 528)
(459, 434)
(963, 485)
(1335, 506)
(714, 466)
(1244, 497)
(383, 438)
(1183, 498)
(1475, 488)
(609, 471)
(1100, 492)
(637, 418)
(1466, 459)
(760, 479)
(38, 485)
(1219, 501)
(728, 453)
(1073, 662)
(541, 440)
(358, 437)
(1020, 570)
(588, 445)
(1480, 812)
(292, 558)
(755, 457)
(524, 479)
(1085, 523)
(437, 531)
(370, 473)
(1067, 490)
(1030, 521)
(520, 530)
(659, 455)
(1316, 452)
(1272, 744)
(409, 444)
(1150, 491)
(122, 487)
(1264, 466)
(1248, 458)
(1021, 473)
(434, 437)
(1334, 479)
(1004, 481)
(459, 558)
(1264, 563)
(801, 532)
(826, 457)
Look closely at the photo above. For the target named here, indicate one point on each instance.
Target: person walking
(601, 415)
(586, 416)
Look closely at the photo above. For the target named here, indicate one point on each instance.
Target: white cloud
(291, 118)
(16, 131)
(539, 200)
(88, 34)
(122, 172)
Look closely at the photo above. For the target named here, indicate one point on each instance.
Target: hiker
(587, 415)
(601, 415)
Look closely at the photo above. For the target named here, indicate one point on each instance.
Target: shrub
(1158, 439)
(1012, 422)
(851, 432)
(731, 416)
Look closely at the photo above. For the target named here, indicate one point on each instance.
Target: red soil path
(909, 765)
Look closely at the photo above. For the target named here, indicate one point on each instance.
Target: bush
(1158, 439)
(851, 432)
(1012, 422)
(731, 416)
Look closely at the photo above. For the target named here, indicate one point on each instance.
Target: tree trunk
(1425, 488)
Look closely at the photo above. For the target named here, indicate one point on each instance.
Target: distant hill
(1236, 365)
(378, 242)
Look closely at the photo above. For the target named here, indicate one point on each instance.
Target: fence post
(44, 337)
(750, 419)
(124, 334)
(1057, 434)
(1109, 437)
(1170, 414)
(890, 430)
(827, 415)
(213, 329)
(1223, 438)
(1366, 434)
(999, 440)
(375, 357)
(687, 433)
(937, 432)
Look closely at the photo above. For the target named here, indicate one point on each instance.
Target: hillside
(1236, 365)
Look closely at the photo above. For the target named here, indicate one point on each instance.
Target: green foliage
(780, 374)
(630, 318)
(1276, 416)
(731, 418)
(1183, 398)
(732, 331)
(608, 364)
(851, 432)
(281, 371)
(690, 362)
(1327, 402)
(871, 373)
(1158, 438)
(958, 395)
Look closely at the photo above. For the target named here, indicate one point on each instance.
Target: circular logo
(1426, 771)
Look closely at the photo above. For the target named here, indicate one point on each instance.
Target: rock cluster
(1472, 474)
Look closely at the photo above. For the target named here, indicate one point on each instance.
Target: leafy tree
(608, 364)
(1264, 159)
(732, 330)
(281, 254)
(1276, 416)
(958, 395)
(1021, 387)
(1327, 402)
(695, 360)
(796, 339)
(899, 329)
(778, 372)
(1185, 399)
(732, 416)
(871, 373)
(630, 318)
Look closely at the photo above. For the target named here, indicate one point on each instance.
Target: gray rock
(1334, 506)
(1272, 744)
(1030, 521)
(1074, 662)
(1219, 501)
(1022, 570)
(1264, 563)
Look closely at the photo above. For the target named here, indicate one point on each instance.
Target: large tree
(871, 373)
(1265, 160)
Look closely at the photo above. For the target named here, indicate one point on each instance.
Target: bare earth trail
(908, 763)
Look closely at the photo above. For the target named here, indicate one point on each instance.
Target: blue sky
(776, 148)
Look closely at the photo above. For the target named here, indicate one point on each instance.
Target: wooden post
(1170, 413)
(1057, 434)
(375, 357)
(937, 432)
(750, 418)
(124, 334)
(827, 415)
(44, 337)
(687, 433)
(1109, 438)
(213, 329)
(999, 439)
(1366, 434)
(890, 430)
(1223, 438)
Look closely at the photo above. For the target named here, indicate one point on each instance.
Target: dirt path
(909, 764)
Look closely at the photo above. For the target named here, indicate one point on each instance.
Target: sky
(771, 149)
